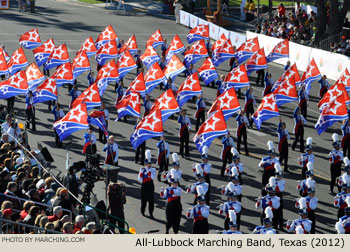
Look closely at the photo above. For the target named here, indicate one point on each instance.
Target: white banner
(214, 31)
(184, 18)
(300, 55)
(193, 21)
(223, 31)
(237, 39)
(330, 64)
(202, 21)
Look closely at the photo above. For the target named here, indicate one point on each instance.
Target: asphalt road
(72, 23)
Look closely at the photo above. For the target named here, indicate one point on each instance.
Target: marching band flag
(81, 64)
(131, 45)
(266, 110)
(150, 126)
(74, 120)
(108, 51)
(63, 74)
(34, 76)
(90, 97)
(7, 57)
(149, 57)
(337, 89)
(334, 111)
(155, 40)
(106, 35)
(345, 78)
(246, 50)
(89, 47)
(138, 85)
(107, 74)
(292, 72)
(154, 77)
(3, 64)
(213, 127)
(176, 46)
(58, 57)
(30, 39)
(15, 85)
(208, 72)
(174, 68)
(227, 102)
(286, 92)
(237, 78)
(281, 50)
(125, 64)
(197, 52)
(167, 104)
(99, 122)
(17, 61)
(46, 91)
(189, 88)
(223, 53)
(256, 62)
(312, 73)
(43, 52)
(129, 105)
(198, 33)
(218, 43)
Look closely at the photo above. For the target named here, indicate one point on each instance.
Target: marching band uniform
(199, 213)
(306, 157)
(242, 123)
(101, 135)
(303, 185)
(148, 105)
(345, 143)
(185, 126)
(74, 93)
(89, 142)
(163, 156)
(343, 224)
(345, 177)
(249, 104)
(206, 167)
(226, 155)
(301, 225)
(141, 149)
(30, 111)
(173, 206)
(339, 199)
(311, 205)
(200, 112)
(336, 159)
(268, 84)
(176, 169)
(233, 227)
(269, 200)
(58, 114)
(267, 223)
(324, 86)
(303, 98)
(283, 137)
(204, 185)
(239, 167)
(268, 164)
(299, 122)
(111, 154)
(233, 186)
(146, 177)
(231, 204)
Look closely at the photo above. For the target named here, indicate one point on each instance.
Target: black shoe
(151, 216)
(158, 176)
(143, 214)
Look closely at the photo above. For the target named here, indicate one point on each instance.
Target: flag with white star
(15, 85)
(89, 47)
(197, 33)
(138, 85)
(107, 74)
(167, 104)
(149, 57)
(334, 111)
(223, 52)
(247, 49)
(3, 64)
(310, 75)
(131, 45)
(154, 77)
(108, 51)
(227, 102)
(74, 120)
(256, 62)
(337, 89)
(30, 39)
(281, 50)
(208, 72)
(189, 88)
(345, 78)
(213, 127)
(58, 57)
(150, 126)
(129, 105)
(237, 78)
(98, 121)
(90, 97)
(34, 76)
(46, 91)
(155, 40)
(63, 74)
(174, 68)
(17, 62)
(292, 72)
(286, 92)
(266, 110)
(106, 35)
(80, 64)
(126, 63)
(42, 52)
(197, 52)
(175, 47)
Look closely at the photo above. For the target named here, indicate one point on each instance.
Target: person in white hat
(266, 222)
(198, 171)
(336, 159)
(302, 224)
(306, 157)
(233, 226)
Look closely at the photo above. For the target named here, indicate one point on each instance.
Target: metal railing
(36, 203)
(325, 44)
(12, 227)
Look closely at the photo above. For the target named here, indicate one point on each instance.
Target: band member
(233, 227)
(301, 225)
(74, 92)
(283, 137)
(226, 155)
(303, 99)
(339, 200)
(111, 149)
(89, 142)
(250, 103)
(299, 122)
(147, 104)
(58, 114)
(236, 162)
(242, 124)
(163, 156)
(268, 164)
(267, 223)
(336, 159)
(311, 205)
(270, 200)
(200, 112)
(324, 86)
(101, 135)
(233, 186)
(206, 167)
(185, 127)
(306, 157)
(200, 177)
(343, 224)
(146, 176)
(30, 111)
(305, 184)
(268, 84)
(176, 169)
(345, 176)
(345, 143)
(231, 204)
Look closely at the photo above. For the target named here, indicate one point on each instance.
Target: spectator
(281, 10)
(57, 214)
(26, 206)
(79, 223)
(11, 189)
(34, 211)
(68, 228)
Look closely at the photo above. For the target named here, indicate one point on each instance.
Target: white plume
(199, 169)
(310, 166)
(231, 187)
(270, 145)
(302, 203)
(278, 168)
(346, 161)
(335, 137)
(310, 183)
(268, 212)
(205, 150)
(272, 181)
(200, 190)
(234, 151)
(232, 216)
(347, 200)
(148, 154)
(234, 171)
(339, 227)
(346, 178)
(173, 174)
(309, 141)
(299, 230)
(175, 157)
